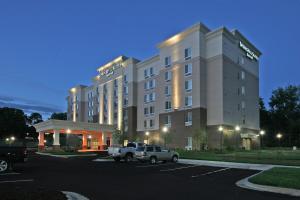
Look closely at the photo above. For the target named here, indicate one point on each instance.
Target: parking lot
(109, 180)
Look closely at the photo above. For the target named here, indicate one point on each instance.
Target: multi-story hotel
(201, 88)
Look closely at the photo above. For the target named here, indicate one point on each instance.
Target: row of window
(149, 97)
(148, 72)
(150, 84)
(187, 56)
(149, 110)
(188, 118)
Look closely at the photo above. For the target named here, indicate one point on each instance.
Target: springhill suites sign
(250, 54)
(110, 71)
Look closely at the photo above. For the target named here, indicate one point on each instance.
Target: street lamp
(165, 129)
(237, 129)
(220, 129)
(279, 136)
(261, 133)
(147, 135)
(12, 138)
(7, 139)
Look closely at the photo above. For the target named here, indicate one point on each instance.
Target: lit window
(188, 85)
(188, 69)
(187, 53)
(188, 101)
(168, 61)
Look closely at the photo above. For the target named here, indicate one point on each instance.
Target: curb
(244, 183)
(64, 156)
(74, 196)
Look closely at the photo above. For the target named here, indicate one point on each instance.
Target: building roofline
(181, 35)
(118, 59)
(148, 61)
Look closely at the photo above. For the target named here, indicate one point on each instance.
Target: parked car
(127, 153)
(154, 153)
(11, 154)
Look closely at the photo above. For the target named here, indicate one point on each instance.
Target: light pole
(279, 136)
(237, 130)
(165, 130)
(147, 136)
(261, 133)
(220, 129)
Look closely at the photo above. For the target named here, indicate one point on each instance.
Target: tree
(35, 118)
(59, 116)
(199, 138)
(117, 137)
(285, 113)
(12, 123)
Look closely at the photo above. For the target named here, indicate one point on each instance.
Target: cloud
(28, 106)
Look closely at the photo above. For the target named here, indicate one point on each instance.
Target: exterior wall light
(237, 128)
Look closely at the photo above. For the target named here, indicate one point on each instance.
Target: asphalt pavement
(110, 180)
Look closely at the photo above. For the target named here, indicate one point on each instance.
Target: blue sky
(46, 47)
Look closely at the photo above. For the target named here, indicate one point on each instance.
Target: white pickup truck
(127, 153)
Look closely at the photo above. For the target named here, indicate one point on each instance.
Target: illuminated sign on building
(110, 71)
(250, 54)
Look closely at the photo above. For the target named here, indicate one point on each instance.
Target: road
(109, 180)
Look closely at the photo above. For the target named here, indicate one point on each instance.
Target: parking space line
(212, 172)
(16, 181)
(178, 168)
(12, 173)
(157, 165)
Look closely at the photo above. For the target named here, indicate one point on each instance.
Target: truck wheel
(153, 160)
(117, 159)
(128, 157)
(4, 165)
(175, 159)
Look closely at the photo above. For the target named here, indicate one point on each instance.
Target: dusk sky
(46, 47)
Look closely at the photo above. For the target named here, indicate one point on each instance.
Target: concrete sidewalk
(260, 167)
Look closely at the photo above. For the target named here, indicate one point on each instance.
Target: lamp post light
(237, 130)
(165, 130)
(147, 136)
(220, 129)
(279, 136)
(261, 133)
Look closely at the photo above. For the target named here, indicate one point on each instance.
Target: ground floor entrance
(93, 136)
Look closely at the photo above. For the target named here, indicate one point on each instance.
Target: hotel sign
(250, 54)
(110, 71)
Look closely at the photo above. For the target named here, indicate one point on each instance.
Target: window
(187, 53)
(168, 75)
(188, 85)
(151, 110)
(188, 69)
(168, 61)
(145, 123)
(152, 96)
(188, 119)
(167, 120)
(151, 84)
(243, 90)
(125, 101)
(146, 111)
(151, 123)
(151, 71)
(146, 98)
(149, 149)
(189, 143)
(125, 89)
(157, 149)
(168, 105)
(188, 101)
(115, 83)
(243, 105)
(125, 78)
(146, 85)
(146, 75)
(168, 90)
(243, 75)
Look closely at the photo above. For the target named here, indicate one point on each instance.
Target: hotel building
(202, 88)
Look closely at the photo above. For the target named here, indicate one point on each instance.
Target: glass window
(151, 123)
(188, 69)
(188, 117)
(188, 85)
(151, 71)
(243, 90)
(157, 149)
(167, 119)
(188, 101)
(150, 149)
(168, 61)
(145, 123)
(146, 73)
(187, 53)
(168, 75)
(243, 75)
(168, 105)
(167, 90)
(151, 109)
(125, 78)
(146, 111)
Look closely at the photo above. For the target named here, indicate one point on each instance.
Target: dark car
(11, 153)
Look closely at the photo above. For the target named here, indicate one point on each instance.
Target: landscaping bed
(279, 177)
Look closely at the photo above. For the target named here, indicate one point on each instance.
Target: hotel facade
(201, 89)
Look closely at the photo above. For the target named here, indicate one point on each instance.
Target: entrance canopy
(64, 126)
(98, 135)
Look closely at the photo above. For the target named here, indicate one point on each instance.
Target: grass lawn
(280, 177)
(276, 157)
